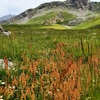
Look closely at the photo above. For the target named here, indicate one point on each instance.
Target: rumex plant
(58, 77)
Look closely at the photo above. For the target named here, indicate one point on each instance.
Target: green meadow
(50, 63)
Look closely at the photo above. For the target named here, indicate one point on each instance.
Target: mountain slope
(93, 22)
(56, 12)
(52, 18)
(38, 11)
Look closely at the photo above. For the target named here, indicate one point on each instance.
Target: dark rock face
(52, 5)
(84, 2)
(78, 3)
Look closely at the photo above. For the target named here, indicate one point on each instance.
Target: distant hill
(6, 17)
(69, 12)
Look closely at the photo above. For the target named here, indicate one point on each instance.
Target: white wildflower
(2, 83)
(49, 92)
(58, 90)
(13, 87)
(94, 33)
(1, 97)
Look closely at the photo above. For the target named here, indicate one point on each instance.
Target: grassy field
(50, 64)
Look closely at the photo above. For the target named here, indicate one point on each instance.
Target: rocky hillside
(95, 7)
(78, 8)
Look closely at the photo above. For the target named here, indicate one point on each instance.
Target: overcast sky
(17, 6)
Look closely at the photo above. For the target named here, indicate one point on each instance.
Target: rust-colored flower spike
(5, 62)
(27, 91)
(1, 90)
(14, 82)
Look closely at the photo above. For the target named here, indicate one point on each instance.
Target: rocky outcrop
(53, 5)
(75, 22)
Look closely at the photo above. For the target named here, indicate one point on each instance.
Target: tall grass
(50, 65)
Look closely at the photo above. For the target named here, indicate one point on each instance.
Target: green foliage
(32, 41)
(2, 74)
